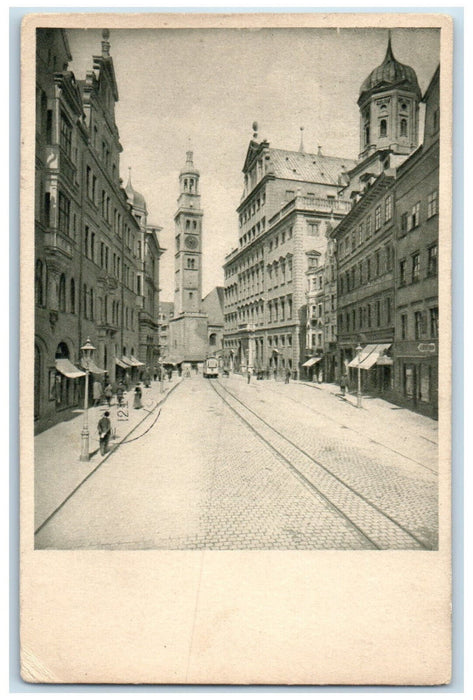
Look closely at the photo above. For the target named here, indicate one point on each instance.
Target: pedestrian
(343, 384)
(275, 373)
(97, 392)
(137, 400)
(170, 373)
(109, 393)
(248, 374)
(104, 428)
(127, 381)
(288, 376)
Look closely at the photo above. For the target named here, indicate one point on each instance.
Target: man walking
(109, 393)
(104, 427)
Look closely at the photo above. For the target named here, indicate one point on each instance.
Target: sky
(206, 87)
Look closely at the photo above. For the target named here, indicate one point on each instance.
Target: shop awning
(69, 370)
(312, 361)
(121, 364)
(94, 369)
(371, 355)
(127, 362)
(136, 363)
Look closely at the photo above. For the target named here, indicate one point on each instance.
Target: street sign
(426, 347)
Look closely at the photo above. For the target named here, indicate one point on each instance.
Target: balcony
(107, 282)
(314, 205)
(57, 159)
(57, 244)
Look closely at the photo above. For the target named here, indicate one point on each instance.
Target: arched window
(62, 293)
(39, 283)
(403, 127)
(72, 296)
(185, 184)
(383, 127)
(213, 339)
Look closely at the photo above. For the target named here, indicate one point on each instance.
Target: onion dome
(388, 75)
(135, 198)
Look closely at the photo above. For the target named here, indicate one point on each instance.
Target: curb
(109, 454)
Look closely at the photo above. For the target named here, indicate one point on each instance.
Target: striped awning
(94, 369)
(69, 370)
(371, 355)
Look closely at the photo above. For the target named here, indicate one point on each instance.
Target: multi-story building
(166, 313)
(314, 314)
(387, 248)
(365, 239)
(147, 254)
(86, 235)
(415, 349)
(288, 200)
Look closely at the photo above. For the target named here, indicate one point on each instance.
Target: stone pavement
(58, 469)
(200, 479)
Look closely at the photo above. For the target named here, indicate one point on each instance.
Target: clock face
(191, 242)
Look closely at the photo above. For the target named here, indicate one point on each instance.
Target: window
(368, 269)
(360, 234)
(72, 296)
(415, 267)
(403, 127)
(64, 213)
(404, 223)
(368, 227)
(389, 258)
(313, 228)
(388, 310)
(377, 219)
(418, 325)
(378, 263)
(388, 208)
(86, 242)
(65, 137)
(402, 273)
(39, 283)
(84, 301)
(369, 315)
(383, 127)
(191, 263)
(415, 220)
(403, 326)
(378, 312)
(432, 204)
(91, 304)
(434, 322)
(432, 261)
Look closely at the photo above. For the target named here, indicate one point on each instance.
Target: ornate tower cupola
(389, 108)
(188, 257)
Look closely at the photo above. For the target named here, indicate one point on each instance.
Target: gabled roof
(308, 167)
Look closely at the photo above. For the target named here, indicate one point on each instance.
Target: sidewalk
(58, 469)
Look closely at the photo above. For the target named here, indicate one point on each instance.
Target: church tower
(389, 108)
(188, 329)
(188, 257)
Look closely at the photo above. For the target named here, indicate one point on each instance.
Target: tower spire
(301, 146)
(389, 51)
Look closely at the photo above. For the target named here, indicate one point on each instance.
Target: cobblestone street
(204, 477)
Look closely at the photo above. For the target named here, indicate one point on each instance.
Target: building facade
(386, 248)
(86, 235)
(288, 201)
(415, 349)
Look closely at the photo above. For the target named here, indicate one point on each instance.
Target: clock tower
(188, 329)
(188, 257)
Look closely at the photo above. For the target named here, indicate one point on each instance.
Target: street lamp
(358, 393)
(87, 351)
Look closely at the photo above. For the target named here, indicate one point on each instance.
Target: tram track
(379, 529)
(358, 432)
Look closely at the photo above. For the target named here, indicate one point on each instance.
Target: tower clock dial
(191, 242)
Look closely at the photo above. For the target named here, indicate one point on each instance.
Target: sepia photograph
(235, 382)
(236, 288)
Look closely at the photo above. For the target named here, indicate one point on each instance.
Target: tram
(211, 367)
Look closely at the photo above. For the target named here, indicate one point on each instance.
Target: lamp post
(87, 351)
(358, 393)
